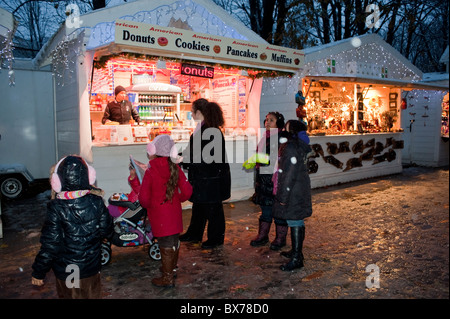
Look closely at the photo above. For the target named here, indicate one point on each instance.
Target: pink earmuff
(56, 182)
(174, 155)
(151, 149)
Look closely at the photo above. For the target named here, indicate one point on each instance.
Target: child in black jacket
(77, 222)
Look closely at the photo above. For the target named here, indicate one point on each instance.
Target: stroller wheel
(154, 252)
(105, 254)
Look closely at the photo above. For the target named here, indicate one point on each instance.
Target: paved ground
(398, 223)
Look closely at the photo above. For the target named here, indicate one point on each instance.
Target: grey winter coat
(293, 183)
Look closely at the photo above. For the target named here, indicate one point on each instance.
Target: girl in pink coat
(164, 187)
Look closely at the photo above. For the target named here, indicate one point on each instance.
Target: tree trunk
(392, 23)
(281, 18)
(98, 4)
(268, 20)
(325, 21)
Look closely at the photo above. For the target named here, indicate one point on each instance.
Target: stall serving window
(334, 108)
(162, 93)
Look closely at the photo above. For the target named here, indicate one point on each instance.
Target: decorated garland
(101, 62)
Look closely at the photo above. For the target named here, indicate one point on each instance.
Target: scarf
(72, 194)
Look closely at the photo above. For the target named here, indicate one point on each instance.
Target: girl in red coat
(164, 187)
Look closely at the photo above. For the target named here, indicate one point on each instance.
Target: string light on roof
(367, 60)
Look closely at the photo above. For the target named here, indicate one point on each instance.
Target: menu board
(225, 94)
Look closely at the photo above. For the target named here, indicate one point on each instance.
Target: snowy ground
(398, 225)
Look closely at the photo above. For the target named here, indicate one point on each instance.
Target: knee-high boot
(263, 234)
(175, 260)
(297, 237)
(280, 239)
(168, 255)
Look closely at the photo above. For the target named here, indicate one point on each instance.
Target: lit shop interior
(162, 91)
(334, 107)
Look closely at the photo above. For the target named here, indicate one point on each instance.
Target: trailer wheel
(105, 254)
(12, 186)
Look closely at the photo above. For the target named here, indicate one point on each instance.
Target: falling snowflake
(294, 160)
(283, 140)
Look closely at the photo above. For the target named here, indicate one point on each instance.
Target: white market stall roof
(97, 28)
(363, 59)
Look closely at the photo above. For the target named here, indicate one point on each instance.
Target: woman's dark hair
(212, 112)
(279, 117)
(295, 126)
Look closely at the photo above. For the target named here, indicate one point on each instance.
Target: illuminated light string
(281, 85)
(64, 56)
(369, 58)
(181, 14)
(7, 56)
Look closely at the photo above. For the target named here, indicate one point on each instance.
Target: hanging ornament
(404, 105)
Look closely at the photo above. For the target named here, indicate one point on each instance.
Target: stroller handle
(124, 203)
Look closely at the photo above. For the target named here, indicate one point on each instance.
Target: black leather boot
(263, 234)
(296, 255)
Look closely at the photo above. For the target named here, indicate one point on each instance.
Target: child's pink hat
(162, 145)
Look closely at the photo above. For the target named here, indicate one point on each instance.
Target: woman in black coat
(209, 174)
(293, 190)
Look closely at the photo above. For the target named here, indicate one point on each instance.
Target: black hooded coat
(293, 196)
(74, 228)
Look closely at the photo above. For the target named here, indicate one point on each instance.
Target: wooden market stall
(166, 55)
(354, 90)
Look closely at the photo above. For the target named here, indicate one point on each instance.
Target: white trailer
(27, 128)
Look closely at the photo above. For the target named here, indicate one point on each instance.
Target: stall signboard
(189, 43)
(197, 70)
